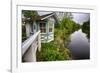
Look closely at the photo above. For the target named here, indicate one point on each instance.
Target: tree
(29, 16)
(86, 28)
(69, 15)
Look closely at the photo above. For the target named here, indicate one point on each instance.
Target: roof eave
(47, 16)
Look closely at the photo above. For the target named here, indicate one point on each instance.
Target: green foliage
(64, 29)
(50, 52)
(30, 15)
(86, 28)
(69, 25)
(23, 34)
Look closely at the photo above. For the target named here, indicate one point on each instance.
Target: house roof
(45, 16)
(41, 13)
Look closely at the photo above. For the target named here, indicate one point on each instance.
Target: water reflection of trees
(86, 29)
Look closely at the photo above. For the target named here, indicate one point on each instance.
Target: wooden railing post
(39, 42)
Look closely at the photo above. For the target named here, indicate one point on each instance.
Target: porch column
(28, 29)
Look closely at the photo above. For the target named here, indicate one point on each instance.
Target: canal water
(79, 45)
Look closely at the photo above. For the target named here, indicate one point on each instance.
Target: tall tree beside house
(30, 15)
(69, 15)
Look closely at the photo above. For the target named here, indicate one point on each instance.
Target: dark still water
(79, 45)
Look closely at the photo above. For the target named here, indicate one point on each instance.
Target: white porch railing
(30, 46)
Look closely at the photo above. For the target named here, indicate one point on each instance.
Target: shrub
(50, 52)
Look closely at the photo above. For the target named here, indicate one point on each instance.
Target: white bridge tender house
(41, 31)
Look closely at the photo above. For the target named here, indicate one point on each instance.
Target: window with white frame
(43, 27)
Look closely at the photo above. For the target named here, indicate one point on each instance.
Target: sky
(81, 17)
